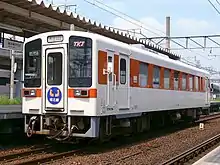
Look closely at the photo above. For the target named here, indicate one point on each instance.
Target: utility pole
(12, 75)
(12, 72)
(168, 33)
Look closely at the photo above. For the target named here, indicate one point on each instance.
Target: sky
(188, 17)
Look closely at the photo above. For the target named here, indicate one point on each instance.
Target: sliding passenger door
(123, 85)
(110, 97)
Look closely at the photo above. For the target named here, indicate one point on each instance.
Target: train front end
(59, 91)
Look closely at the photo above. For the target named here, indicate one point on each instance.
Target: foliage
(4, 100)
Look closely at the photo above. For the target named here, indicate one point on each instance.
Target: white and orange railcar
(85, 85)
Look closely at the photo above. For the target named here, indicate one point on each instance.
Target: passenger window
(197, 83)
(204, 84)
(200, 83)
(156, 77)
(143, 76)
(176, 80)
(191, 83)
(54, 69)
(166, 78)
(122, 71)
(183, 81)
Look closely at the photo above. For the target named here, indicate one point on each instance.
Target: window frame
(125, 71)
(60, 78)
(156, 86)
(142, 73)
(178, 79)
(27, 49)
(184, 76)
(87, 82)
(169, 82)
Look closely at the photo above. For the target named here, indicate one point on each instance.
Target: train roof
(95, 36)
(159, 57)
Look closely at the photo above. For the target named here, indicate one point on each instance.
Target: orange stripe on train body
(38, 92)
(92, 93)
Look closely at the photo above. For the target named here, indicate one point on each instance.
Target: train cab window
(156, 77)
(32, 63)
(122, 71)
(183, 81)
(80, 61)
(196, 83)
(166, 78)
(143, 76)
(54, 69)
(176, 80)
(191, 83)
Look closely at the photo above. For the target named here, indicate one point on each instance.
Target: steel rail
(50, 158)
(11, 156)
(208, 117)
(193, 152)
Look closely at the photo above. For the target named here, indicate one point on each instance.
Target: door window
(54, 69)
(122, 71)
(110, 67)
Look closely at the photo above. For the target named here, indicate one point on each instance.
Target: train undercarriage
(63, 128)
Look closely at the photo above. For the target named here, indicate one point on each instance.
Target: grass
(4, 100)
(217, 99)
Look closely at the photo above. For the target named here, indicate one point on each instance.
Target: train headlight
(77, 92)
(33, 92)
(81, 93)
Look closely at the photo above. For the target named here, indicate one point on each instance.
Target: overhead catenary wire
(134, 23)
(129, 17)
(218, 2)
(214, 6)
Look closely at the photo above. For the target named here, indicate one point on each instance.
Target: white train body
(83, 79)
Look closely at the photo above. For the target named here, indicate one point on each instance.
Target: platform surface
(212, 158)
(10, 112)
(215, 102)
(10, 108)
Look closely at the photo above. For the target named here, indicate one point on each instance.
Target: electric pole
(168, 33)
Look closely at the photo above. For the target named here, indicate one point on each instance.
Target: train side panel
(142, 97)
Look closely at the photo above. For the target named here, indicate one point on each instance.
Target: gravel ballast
(153, 151)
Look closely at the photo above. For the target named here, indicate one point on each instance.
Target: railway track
(209, 117)
(38, 155)
(193, 153)
(117, 161)
(22, 154)
(53, 157)
(210, 143)
(46, 154)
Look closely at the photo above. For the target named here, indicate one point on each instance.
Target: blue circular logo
(54, 95)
